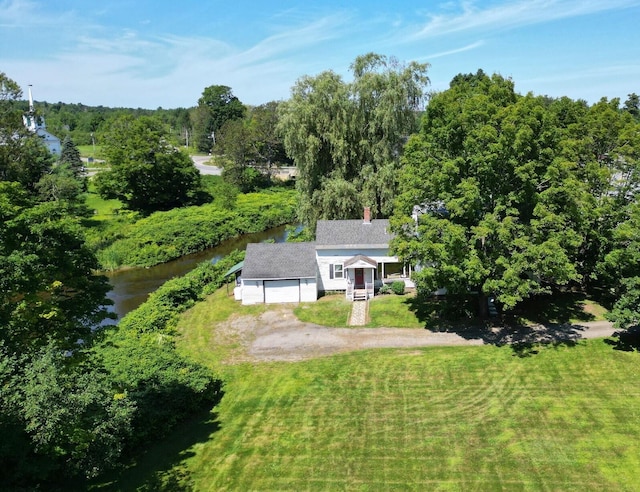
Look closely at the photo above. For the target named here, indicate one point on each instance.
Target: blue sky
(151, 53)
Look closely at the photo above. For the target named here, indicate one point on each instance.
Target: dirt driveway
(278, 335)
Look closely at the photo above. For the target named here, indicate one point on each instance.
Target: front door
(359, 278)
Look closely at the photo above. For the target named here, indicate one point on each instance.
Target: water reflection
(132, 287)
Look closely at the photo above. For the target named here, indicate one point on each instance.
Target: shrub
(385, 289)
(398, 287)
(142, 362)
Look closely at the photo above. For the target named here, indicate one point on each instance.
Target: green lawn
(384, 311)
(459, 418)
(90, 151)
(405, 312)
(331, 310)
(103, 209)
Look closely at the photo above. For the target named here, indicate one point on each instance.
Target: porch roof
(361, 261)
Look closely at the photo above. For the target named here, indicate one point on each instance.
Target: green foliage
(251, 148)
(216, 106)
(23, 156)
(61, 184)
(165, 387)
(346, 138)
(164, 236)
(73, 416)
(516, 194)
(142, 361)
(299, 234)
(70, 158)
(385, 289)
(398, 287)
(147, 173)
(59, 418)
(47, 286)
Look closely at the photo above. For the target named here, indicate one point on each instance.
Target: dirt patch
(278, 335)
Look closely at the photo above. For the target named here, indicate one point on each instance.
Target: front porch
(364, 274)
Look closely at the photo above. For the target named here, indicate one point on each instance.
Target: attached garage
(282, 291)
(278, 273)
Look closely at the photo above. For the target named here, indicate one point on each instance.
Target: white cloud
(455, 51)
(513, 14)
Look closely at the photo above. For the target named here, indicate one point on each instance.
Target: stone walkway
(358, 313)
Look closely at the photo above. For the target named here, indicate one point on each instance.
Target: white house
(348, 255)
(36, 124)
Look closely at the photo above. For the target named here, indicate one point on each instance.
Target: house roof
(361, 261)
(353, 233)
(279, 261)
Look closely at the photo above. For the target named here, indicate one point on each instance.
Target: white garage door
(281, 291)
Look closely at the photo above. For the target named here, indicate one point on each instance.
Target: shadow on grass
(559, 307)
(627, 340)
(457, 314)
(161, 466)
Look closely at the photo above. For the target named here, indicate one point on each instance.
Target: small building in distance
(36, 124)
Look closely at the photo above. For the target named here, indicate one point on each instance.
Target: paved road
(199, 161)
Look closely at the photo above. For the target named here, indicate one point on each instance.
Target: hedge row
(140, 356)
(165, 236)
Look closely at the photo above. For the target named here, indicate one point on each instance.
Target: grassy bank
(125, 239)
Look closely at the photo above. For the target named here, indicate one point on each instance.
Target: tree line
(76, 398)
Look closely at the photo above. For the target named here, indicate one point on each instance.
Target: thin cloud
(24, 14)
(511, 15)
(468, 47)
(296, 39)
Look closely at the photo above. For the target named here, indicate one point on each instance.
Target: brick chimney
(367, 215)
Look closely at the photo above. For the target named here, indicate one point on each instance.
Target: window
(336, 271)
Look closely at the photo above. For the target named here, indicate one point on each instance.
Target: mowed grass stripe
(464, 418)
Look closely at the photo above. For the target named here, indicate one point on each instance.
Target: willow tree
(346, 138)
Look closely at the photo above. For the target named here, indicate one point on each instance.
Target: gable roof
(361, 261)
(353, 233)
(279, 261)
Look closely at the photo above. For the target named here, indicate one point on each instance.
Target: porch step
(360, 295)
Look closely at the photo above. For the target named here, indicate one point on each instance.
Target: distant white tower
(36, 124)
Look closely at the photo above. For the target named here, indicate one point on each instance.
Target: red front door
(359, 278)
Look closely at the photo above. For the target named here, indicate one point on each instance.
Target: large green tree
(146, 172)
(250, 148)
(494, 210)
(216, 106)
(47, 287)
(514, 195)
(348, 137)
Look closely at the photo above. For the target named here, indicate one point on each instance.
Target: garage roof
(279, 261)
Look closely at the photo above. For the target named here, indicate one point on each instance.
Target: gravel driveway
(278, 335)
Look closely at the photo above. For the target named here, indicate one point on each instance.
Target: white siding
(252, 292)
(326, 257)
(308, 290)
(281, 291)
